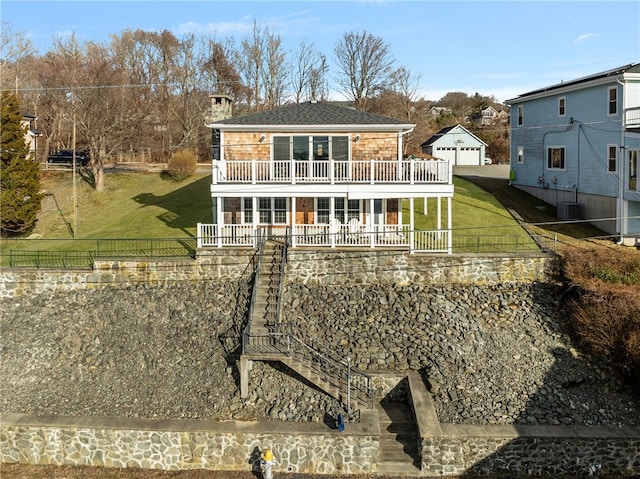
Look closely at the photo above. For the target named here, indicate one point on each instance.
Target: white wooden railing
(334, 235)
(227, 235)
(409, 171)
(632, 117)
(351, 235)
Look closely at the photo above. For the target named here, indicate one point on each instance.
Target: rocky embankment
(490, 355)
(497, 355)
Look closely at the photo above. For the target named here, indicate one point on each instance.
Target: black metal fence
(80, 254)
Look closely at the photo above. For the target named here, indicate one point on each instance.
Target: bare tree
(318, 83)
(307, 67)
(406, 83)
(364, 65)
(262, 63)
(14, 48)
(250, 59)
(219, 72)
(274, 73)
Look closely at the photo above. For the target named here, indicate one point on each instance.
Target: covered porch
(325, 222)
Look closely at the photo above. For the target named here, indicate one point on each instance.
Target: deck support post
(246, 365)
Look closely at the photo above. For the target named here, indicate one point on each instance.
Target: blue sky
(500, 48)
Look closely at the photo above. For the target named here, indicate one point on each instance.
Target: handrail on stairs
(246, 333)
(352, 384)
(283, 264)
(355, 387)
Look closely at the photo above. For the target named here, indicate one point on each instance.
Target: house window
(311, 154)
(520, 154)
(247, 206)
(215, 142)
(279, 211)
(612, 158)
(633, 170)
(613, 101)
(562, 101)
(272, 210)
(352, 209)
(344, 210)
(322, 211)
(555, 158)
(520, 114)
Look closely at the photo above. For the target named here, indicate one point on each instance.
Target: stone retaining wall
(402, 268)
(214, 264)
(175, 445)
(520, 451)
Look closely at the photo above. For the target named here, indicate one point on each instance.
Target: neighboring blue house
(457, 145)
(576, 146)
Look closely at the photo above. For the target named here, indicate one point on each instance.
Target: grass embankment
(133, 205)
(474, 212)
(152, 205)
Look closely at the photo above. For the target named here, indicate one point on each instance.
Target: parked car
(487, 160)
(66, 156)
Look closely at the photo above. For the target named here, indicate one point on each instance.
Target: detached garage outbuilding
(456, 144)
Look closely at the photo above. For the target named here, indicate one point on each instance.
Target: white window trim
(615, 171)
(520, 115)
(556, 147)
(635, 153)
(272, 211)
(562, 103)
(608, 100)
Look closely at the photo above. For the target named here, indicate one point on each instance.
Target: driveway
(486, 171)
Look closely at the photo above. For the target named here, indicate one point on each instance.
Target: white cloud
(583, 38)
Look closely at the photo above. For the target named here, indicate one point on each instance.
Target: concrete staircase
(399, 454)
(264, 342)
(267, 280)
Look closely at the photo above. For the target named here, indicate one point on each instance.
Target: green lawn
(479, 221)
(152, 205)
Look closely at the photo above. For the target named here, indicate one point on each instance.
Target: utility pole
(73, 161)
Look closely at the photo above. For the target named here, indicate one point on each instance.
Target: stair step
(398, 469)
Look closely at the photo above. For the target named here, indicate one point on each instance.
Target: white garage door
(469, 156)
(446, 153)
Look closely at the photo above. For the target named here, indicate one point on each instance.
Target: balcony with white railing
(411, 171)
(332, 235)
(632, 118)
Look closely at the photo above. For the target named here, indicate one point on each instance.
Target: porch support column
(220, 218)
(425, 206)
(293, 221)
(411, 226)
(439, 213)
(372, 238)
(332, 217)
(254, 216)
(450, 225)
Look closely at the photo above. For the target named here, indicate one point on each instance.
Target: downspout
(400, 135)
(621, 167)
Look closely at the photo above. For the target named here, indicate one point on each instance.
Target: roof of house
(436, 136)
(313, 113)
(630, 68)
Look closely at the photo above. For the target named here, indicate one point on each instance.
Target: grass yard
(152, 205)
(477, 217)
(133, 205)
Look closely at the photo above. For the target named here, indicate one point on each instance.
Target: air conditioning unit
(569, 211)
